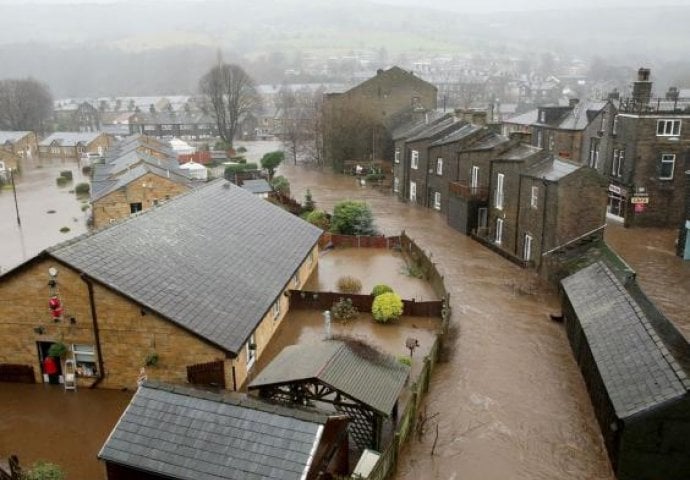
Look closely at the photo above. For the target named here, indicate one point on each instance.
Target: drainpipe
(517, 216)
(96, 333)
(543, 219)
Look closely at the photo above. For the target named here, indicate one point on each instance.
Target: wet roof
(637, 369)
(70, 139)
(442, 127)
(581, 116)
(257, 186)
(492, 140)
(11, 137)
(179, 432)
(456, 135)
(527, 118)
(415, 126)
(200, 260)
(101, 188)
(376, 382)
(552, 169)
(519, 152)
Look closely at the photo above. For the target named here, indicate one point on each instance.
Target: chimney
(517, 138)
(572, 103)
(471, 115)
(642, 88)
(672, 93)
(379, 71)
(614, 94)
(479, 118)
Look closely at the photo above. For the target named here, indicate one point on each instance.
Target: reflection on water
(38, 194)
(511, 402)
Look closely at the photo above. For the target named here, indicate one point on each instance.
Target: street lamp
(14, 190)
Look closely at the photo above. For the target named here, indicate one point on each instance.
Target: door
(51, 369)
(482, 214)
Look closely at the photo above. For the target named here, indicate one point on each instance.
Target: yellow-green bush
(387, 307)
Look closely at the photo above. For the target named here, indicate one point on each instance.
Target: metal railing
(469, 192)
(655, 105)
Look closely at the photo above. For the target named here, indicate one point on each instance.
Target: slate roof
(552, 169)
(70, 139)
(636, 367)
(527, 118)
(456, 135)
(492, 140)
(519, 152)
(374, 382)
(11, 137)
(196, 435)
(581, 116)
(415, 126)
(213, 260)
(257, 186)
(100, 189)
(442, 127)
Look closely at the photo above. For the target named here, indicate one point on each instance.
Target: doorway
(55, 378)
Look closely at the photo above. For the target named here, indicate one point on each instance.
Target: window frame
(413, 198)
(437, 200)
(534, 197)
(668, 124)
(474, 176)
(499, 195)
(396, 184)
(414, 159)
(251, 352)
(275, 309)
(498, 237)
(527, 251)
(396, 158)
(671, 158)
(90, 351)
(439, 166)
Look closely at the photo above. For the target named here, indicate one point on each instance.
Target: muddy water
(42, 422)
(371, 266)
(663, 276)
(511, 402)
(37, 194)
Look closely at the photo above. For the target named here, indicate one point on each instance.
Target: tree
(281, 185)
(353, 218)
(293, 111)
(230, 93)
(271, 160)
(25, 104)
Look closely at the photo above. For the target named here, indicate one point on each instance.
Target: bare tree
(231, 95)
(295, 112)
(25, 104)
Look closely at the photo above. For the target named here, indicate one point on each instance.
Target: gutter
(96, 332)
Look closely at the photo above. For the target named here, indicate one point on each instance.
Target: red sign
(639, 207)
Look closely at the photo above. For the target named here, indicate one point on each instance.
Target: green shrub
(64, 230)
(380, 289)
(271, 160)
(413, 270)
(44, 471)
(309, 203)
(251, 166)
(231, 170)
(85, 207)
(343, 309)
(280, 184)
(352, 218)
(241, 150)
(318, 218)
(405, 360)
(86, 169)
(58, 349)
(375, 177)
(82, 189)
(387, 307)
(222, 145)
(348, 284)
(61, 181)
(66, 174)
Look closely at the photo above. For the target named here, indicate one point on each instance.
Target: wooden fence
(305, 300)
(358, 241)
(424, 262)
(17, 373)
(209, 374)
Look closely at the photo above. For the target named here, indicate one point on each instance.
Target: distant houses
(71, 145)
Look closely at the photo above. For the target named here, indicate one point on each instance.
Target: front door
(51, 368)
(413, 192)
(482, 217)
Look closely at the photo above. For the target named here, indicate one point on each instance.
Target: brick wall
(116, 205)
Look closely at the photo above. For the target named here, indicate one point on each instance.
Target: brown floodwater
(46, 423)
(38, 194)
(511, 402)
(662, 275)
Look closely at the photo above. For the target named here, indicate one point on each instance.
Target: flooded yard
(371, 266)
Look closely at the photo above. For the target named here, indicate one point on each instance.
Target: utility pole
(14, 190)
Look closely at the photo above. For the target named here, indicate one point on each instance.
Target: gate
(210, 374)
(17, 373)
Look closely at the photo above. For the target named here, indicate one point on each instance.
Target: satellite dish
(52, 271)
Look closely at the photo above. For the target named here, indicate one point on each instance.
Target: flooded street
(651, 252)
(38, 194)
(511, 401)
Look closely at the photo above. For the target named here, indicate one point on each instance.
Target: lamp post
(14, 190)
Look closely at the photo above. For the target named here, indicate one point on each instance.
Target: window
(499, 191)
(396, 184)
(551, 141)
(251, 351)
(603, 122)
(437, 200)
(540, 138)
(397, 155)
(439, 166)
(413, 192)
(668, 161)
(499, 231)
(276, 309)
(668, 128)
(527, 248)
(474, 177)
(534, 197)
(85, 360)
(617, 163)
(614, 127)
(542, 116)
(414, 163)
(594, 152)
(135, 207)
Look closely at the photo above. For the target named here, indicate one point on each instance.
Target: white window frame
(534, 197)
(251, 353)
(439, 166)
(499, 197)
(621, 162)
(414, 160)
(397, 155)
(540, 138)
(614, 126)
(396, 184)
(83, 353)
(527, 248)
(437, 200)
(413, 191)
(594, 153)
(667, 158)
(474, 176)
(603, 122)
(499, 231)
(668, 127)
(542, 117)
(275, 309)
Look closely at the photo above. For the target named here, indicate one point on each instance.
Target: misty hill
(150, 47)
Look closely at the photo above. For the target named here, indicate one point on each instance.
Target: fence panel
(307, 300)
(211, 374)
(17, 373)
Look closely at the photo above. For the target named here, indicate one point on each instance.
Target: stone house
(192, 290)
(636, 368)
(540, 202)
(21, 144)
(71, 145)
(683, 246)
(192, 124)
(649, 155)
(172, 432)
(77, 117)
(141, 143)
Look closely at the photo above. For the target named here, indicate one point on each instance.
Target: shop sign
(618, 190)
(639, 207)
(639, 199)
